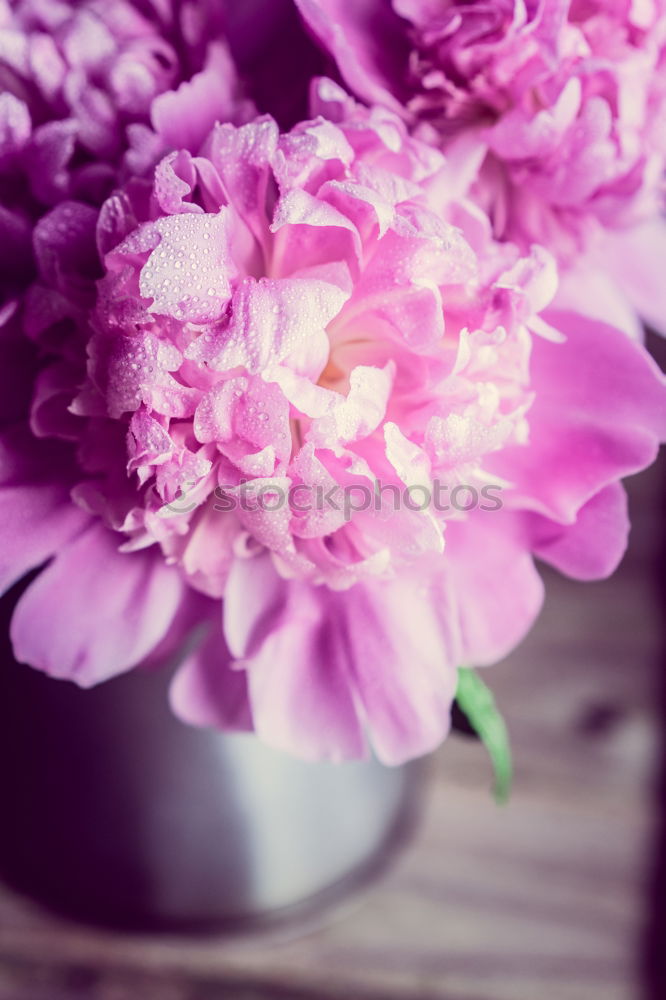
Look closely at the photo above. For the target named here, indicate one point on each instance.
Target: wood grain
(542, 900)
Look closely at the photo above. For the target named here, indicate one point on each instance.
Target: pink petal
(366, 40)
(242, 158)
(207, 691)
(498, 592)
(255, 600)
(188, 275)
(55, 387)
(360, 412)
(184, 117)
(635, 259)
(174, 179)
(308, 230)
(599, 414)
(299, 689)
(39, 516)
(275, 321)
(65, 247)
(207, 550)
(592, 292)
(51, 150)
(403, 656)
(95, 612)
(590, 549)
(320, 662)
(15, 126)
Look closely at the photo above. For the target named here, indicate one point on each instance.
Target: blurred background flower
(557, 111)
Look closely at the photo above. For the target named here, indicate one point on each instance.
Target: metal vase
(114, 811)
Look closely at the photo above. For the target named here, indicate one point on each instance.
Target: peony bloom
(559, 109)
(91, 88)
(75, 76)
(257, 367)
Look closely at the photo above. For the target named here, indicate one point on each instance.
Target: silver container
(113, 811)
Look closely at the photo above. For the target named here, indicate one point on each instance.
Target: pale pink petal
(273, 321)
(242, 159)
(634, 260)
(591, 291)
(15, 127)
(360, 412)
(174, 180)
(188, 275)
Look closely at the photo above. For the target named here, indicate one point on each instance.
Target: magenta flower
(558, 106)
(77, 74)
(254, 423)
(91, 90)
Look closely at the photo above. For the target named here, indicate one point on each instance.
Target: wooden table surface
(546, 899)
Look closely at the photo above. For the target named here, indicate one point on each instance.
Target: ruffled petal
(184, 117)
(274, 321)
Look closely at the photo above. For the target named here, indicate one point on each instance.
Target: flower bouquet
(300, 377)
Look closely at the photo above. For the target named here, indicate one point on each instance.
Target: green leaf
(476, 700)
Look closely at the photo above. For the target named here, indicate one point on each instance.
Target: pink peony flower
(90, 90)
(559, 109)
(283, 318)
